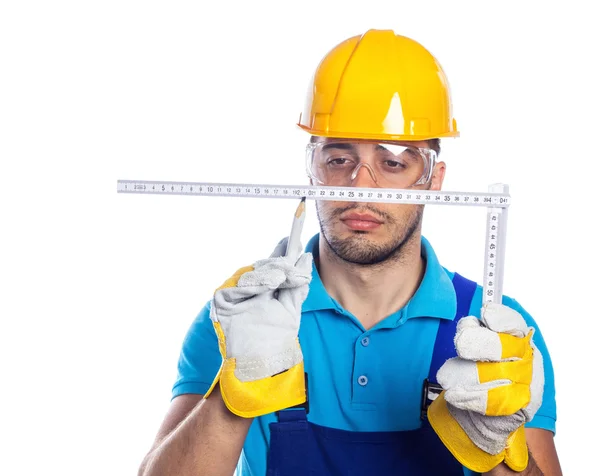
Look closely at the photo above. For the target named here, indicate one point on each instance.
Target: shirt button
(363, 380)
(365, 341)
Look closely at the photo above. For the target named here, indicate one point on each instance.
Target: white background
(99, 288)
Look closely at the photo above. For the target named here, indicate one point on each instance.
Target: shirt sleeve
(199, 359)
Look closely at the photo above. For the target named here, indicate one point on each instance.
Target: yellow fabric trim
(259, 397)
(510, 398)
(215, 381)
(507, 399)
(221, 339)
(267, 395)
(233, 280)
(458, 442)
(514, 346)
(517, 455)
(520, 371)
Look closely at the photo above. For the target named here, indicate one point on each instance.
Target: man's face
(370, 233)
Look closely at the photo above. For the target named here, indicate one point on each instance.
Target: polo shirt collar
(435, 296)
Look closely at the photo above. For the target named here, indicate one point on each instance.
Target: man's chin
(360, 250)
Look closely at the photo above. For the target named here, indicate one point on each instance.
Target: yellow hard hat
(379, 86)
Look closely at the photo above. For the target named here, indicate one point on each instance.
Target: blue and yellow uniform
(358, 380)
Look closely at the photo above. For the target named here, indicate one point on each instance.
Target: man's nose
(363, 176)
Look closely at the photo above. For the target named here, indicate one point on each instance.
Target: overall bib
(301, 448)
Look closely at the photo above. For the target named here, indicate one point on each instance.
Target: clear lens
(337, 163)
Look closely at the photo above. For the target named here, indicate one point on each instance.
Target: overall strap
(291, 415)
(296, 413)
(443, 349)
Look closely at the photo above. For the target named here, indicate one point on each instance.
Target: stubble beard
(357, 249)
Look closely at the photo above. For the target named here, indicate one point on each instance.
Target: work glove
(491, 390)
(256, 315)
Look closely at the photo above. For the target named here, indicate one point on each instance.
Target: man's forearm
(208, 441)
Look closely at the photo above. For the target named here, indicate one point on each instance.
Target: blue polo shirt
(359, 380)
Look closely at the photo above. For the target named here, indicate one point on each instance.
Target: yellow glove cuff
(515, 455)
(258, 397)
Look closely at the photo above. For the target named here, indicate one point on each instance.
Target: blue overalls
(301, 448)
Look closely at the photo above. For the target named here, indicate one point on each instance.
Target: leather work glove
(256, 315)
(491, 390)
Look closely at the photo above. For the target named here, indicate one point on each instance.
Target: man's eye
(394, 164)
(338, 161)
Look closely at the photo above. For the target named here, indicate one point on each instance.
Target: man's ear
(437, 178)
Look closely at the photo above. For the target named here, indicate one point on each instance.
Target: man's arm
(543, 457)
(197, 436)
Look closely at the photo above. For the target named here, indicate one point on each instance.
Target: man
(314, 362)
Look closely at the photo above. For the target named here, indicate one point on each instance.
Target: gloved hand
(491, 390)
(256, 315)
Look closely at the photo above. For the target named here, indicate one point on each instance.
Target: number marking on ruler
(495, 240)
(496, 200)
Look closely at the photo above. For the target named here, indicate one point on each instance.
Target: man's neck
(371, 293)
